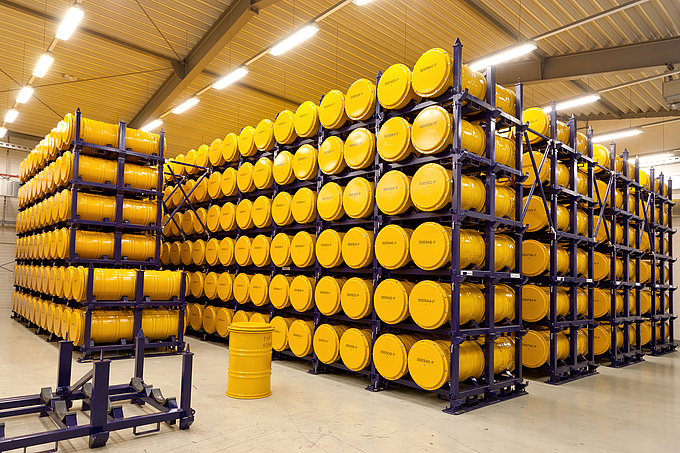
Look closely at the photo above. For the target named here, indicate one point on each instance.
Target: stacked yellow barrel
(44, 280)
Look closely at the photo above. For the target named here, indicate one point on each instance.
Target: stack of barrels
(50, 289)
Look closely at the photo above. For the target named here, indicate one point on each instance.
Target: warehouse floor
(626, 410)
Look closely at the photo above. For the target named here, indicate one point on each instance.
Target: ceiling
(121, 57)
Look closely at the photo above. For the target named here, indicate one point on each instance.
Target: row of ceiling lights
(68, 25)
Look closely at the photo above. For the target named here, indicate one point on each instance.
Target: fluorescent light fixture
(503, 56)
(295, 38)
(230, 78)
(658, 162)
(152, 125)
(43, 64)
(361, 2)
(643, 159)
(607, 136)
(25, 94)
(186, 105)
(574, 102)
(3, 131)
(70, 22)
(11, 116)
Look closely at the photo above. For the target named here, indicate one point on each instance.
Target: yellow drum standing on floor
(250, 360)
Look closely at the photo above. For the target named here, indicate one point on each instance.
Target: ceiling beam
(211, 44)
(628, 58)
(631, 116)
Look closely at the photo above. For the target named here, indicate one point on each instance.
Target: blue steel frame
(104, 417)
(574, 366)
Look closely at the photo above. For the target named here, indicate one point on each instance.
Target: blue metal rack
(574, 366)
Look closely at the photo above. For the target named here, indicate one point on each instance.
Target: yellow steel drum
(250, 348)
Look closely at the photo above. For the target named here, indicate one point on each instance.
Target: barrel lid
(601, 264)
(198, 251)
(244, 214)
(279, 290)
(305, 162)
(394, 86)
(228, 216)
(390, 356)
(250, 327)
(260, 250)
(601, 339)
(202, 155)
(303, 205)
(428, 364)
(528, 168)
(329, 201)
(431, 130)
(332, 109)
(259, 289)
(431, 72)
(535, 217)
(65, 204)
(358, 198)
(209, 318)
(535, 348)
(225, 286)
(355, 349)
(535, 257)
(280, 250)
(188, 220)
(75, 330)
(357, 248)
(228, 182)
(538, 121)
(392, 246)
(429, 304)
(283, 168)
(215, 153)
(280, 334)
(359, 148)
(331, 155)
(175, 253)
(185, 251)
(215, 185)
(394, 139)
(602, 302)
(300, 337)
(582, 143)
(262, 212)
(190, 159)
(225, 252)
(601, 156)
(246, 141)
(431, 187)
(329, 248)
(284, 127)
(356, 297)
(62, 242)
(535, 303)
(262, 173)
(244, 177)
(306, 119)
(430, 246)
(264, 135)
(196, 284)
(327, 343)
(241, 288)
(242, 251)
(302, 249)
(282, 212)
(391, 300)
(360, 100)
(327, 294)
(65, 172)
(200, 219)
(302, 292)
(211, 285)
(212, 219)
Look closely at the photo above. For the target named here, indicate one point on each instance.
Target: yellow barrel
(537, 219)
(355, 348)
(210, 285)
(392, 300)
(242, 251)
(332, 110)
(100, 208)
(359, 148)
(242, 316)
(393, 193)
(302, 249)
(394, 140)
(110, 326)
(536, 258)
(259, 289)
(328, 295)
(114, 284)
(329, 248)
(536, 347)
(300, 337)
(259, 317)
(431, 248)
(280, 334)
(432, 132)
(244, 178)
(195, 315)
(264, 135)
(280, 250)
(358, 198)
(602, 156)
(432, 189)
(540, 122)
(260, 250)
(279, 291)
(305, 163)
(429, 362)
(390, 354)
(606, 230)
(303, 206)
(282, 212)
(250, 365)
(246, 141)
(223, 321)
(242, 288)
(360, 100)
(226, 252)
(433, 75)
(302, 293)
(283, 168)
(329, 202)
(392, 246)
(357, 248)
(197, 284)
(209, 318)
(536, 302)
(284, 128)
(326, 342)
(306, 119)
(356, 297)
(430, 303)
(395, 90)
(262, 173)
(645, 302)
(331, 156)
(56, 321)
(602, 264)
(105, 171)
(602, 338)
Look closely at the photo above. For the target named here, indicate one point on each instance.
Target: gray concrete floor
(636, 409)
